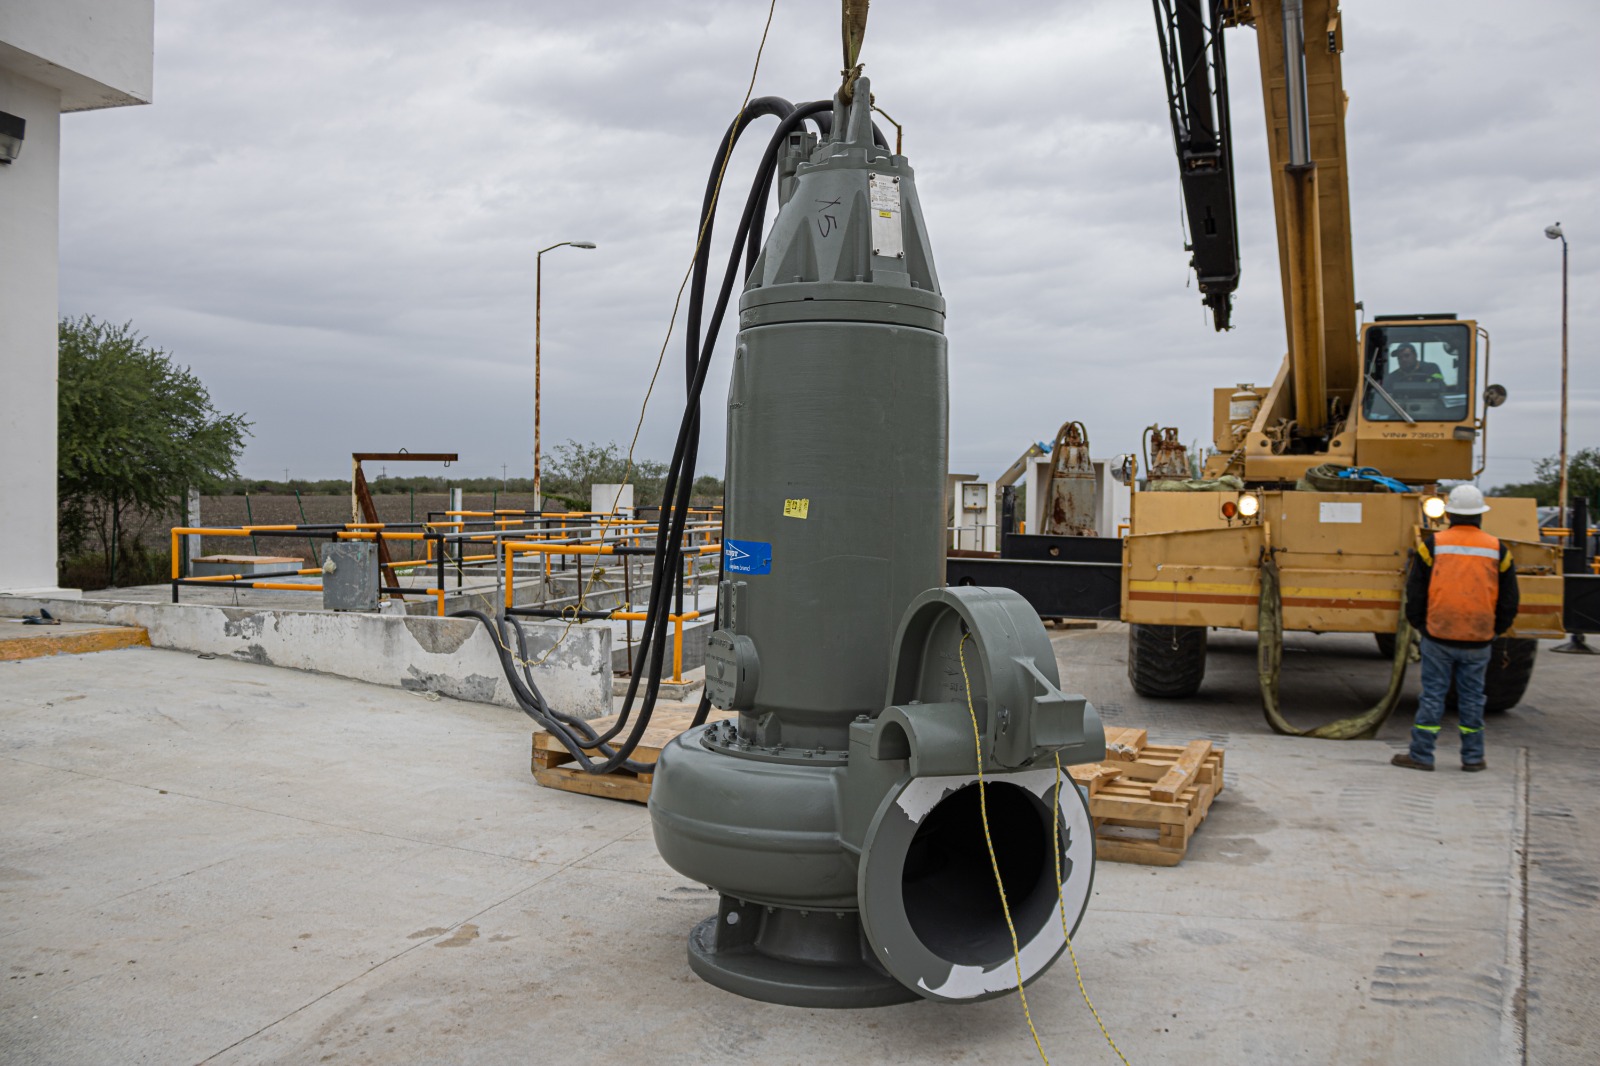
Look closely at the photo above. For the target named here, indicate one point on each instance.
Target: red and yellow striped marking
(1246, 595)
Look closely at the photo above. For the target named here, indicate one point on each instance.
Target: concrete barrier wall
(696, 636)
(451, 656)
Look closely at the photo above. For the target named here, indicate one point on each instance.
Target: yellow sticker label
(796, 508)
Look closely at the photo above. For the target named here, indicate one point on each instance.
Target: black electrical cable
(576, 735)
(670, 525)
(528, 697)
(680, 474)
(583, 728)
(757, 108)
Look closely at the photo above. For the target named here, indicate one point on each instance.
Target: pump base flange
(746, 971)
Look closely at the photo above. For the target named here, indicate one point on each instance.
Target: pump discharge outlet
(839, 815)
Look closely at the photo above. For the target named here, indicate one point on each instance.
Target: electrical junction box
(350, 576)
(611, 499)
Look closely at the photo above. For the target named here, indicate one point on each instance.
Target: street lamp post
(538, 285)
(1555, 234)
(1576, 644)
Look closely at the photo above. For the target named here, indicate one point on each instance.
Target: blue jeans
(1440, 664)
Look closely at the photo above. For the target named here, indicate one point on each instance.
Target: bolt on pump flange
(839, 815)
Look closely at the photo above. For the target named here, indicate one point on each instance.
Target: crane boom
(1302, 84)
(1192, 53)
(1303, 92)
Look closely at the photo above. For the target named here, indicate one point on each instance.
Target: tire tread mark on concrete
(1424, 970)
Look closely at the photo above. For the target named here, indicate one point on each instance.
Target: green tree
(571, 469)
(1583, 479)
(136, 432)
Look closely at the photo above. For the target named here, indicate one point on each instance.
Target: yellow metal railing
(354, 530)
(513, 548)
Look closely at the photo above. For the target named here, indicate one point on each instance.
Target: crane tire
(1167, 662)
(1510, 669)
(1385, 642)
(1505, 683)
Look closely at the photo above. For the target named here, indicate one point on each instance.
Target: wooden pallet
(1146, 800)
(554, 766)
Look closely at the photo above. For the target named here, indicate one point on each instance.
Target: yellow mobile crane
(1321, 482)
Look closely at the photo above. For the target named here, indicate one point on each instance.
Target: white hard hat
(1465, 499)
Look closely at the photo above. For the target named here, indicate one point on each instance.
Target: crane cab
(1415, 415)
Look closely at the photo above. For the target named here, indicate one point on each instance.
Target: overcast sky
(331, 210)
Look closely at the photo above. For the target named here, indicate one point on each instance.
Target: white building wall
(55, 56)
(97, 52)
(28, 257)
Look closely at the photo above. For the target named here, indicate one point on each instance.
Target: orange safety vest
(1465, 585)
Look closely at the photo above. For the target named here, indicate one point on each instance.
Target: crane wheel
(1385, 642)
(1510, 669)
(1167, 662)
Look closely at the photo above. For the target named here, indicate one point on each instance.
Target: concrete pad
(1193, 956)
(21, 641)
(305, 869)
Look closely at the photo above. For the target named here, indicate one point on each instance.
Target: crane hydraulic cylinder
(839, 814)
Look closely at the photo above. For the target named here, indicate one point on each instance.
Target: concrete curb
(32, 643)
(454, 657)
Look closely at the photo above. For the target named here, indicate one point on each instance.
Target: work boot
(1405, 759)
(1474, 767)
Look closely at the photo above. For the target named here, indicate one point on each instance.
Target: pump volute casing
(837, 815)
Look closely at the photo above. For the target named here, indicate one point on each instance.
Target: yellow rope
(1055, 833)
(994, 862)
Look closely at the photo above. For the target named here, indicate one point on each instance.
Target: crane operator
(1413, 371)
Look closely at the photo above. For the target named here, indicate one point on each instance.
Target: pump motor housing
(841, 814)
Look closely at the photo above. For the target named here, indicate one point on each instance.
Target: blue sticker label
(747, 556)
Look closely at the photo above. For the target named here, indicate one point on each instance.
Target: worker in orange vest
(1461, 593)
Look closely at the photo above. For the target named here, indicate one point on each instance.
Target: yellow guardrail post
(510, 551)
(677, 649)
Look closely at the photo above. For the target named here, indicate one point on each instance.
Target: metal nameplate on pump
(747, 556)
(888, 238)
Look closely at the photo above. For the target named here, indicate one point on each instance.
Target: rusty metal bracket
(362, 497)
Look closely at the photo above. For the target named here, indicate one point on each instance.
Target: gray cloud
(331, 210)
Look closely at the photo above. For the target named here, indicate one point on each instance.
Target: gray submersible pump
(839, 815)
